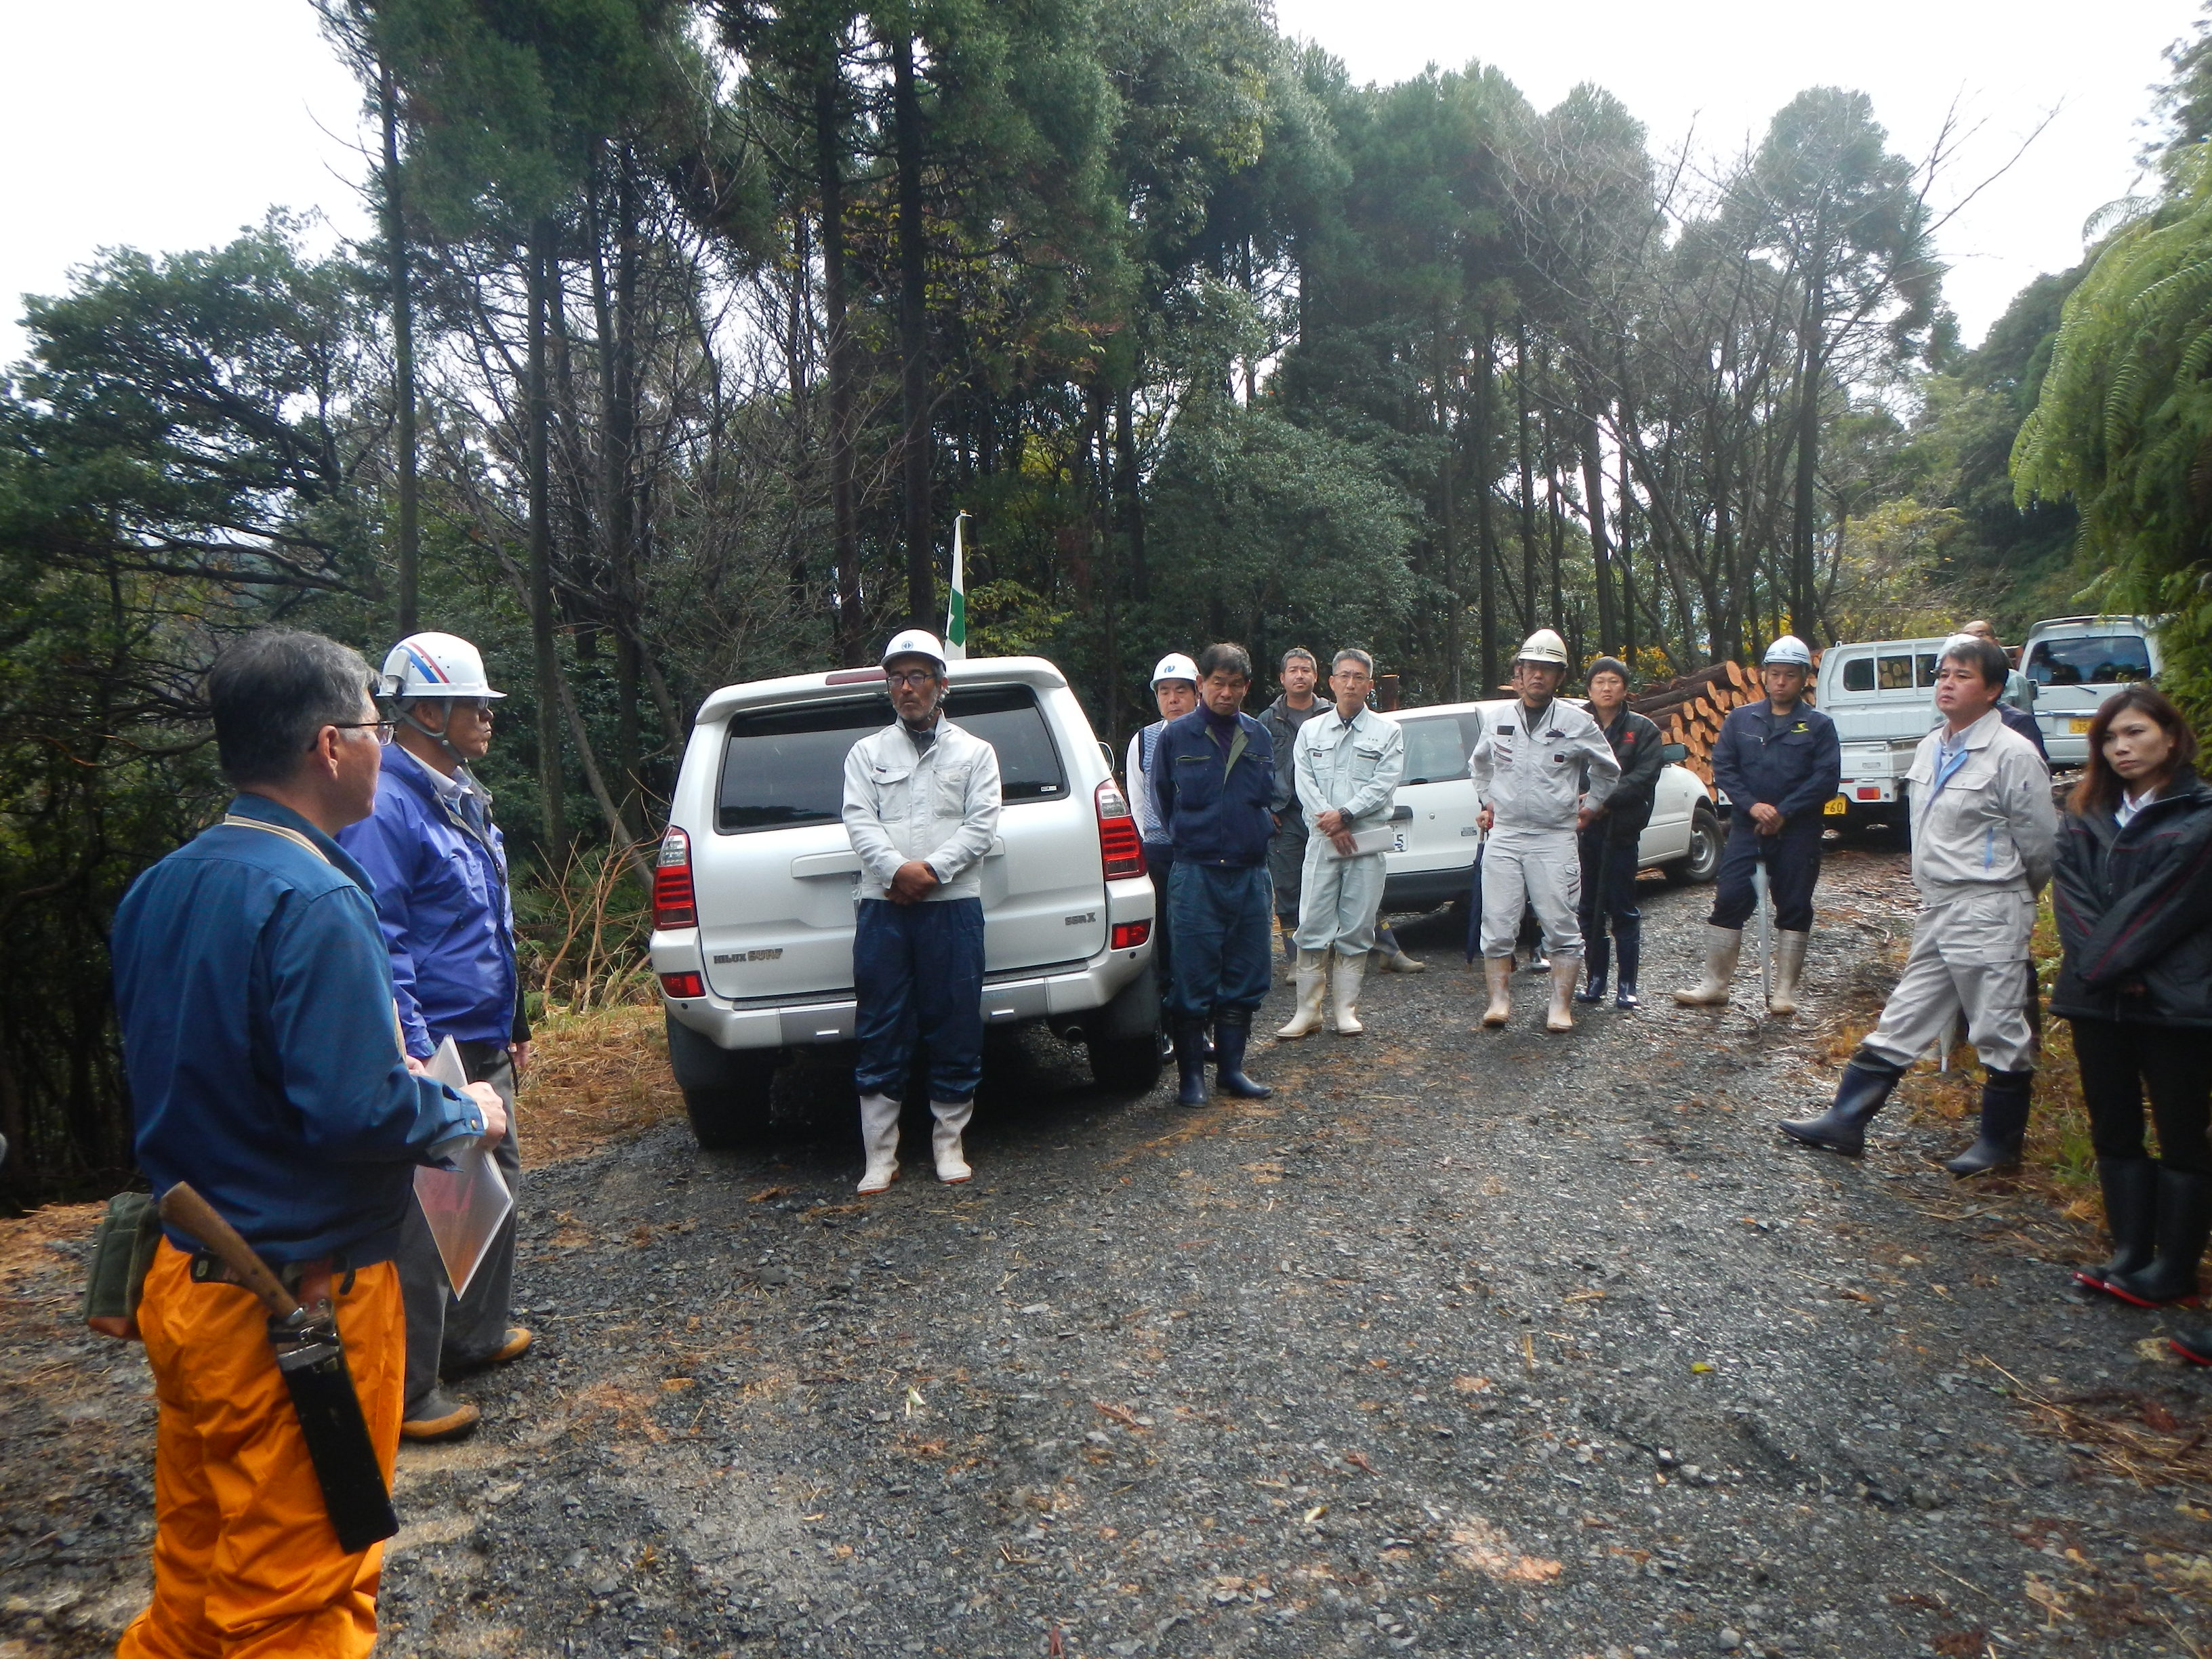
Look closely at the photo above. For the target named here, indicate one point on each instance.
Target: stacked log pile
(1689, 710)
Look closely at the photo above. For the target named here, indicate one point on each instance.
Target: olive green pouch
(122, 1252)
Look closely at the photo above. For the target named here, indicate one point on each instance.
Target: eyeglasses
(384, 729)
(909, 676)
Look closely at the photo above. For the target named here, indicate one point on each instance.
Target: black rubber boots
(1842, 1128)
(2004, 1124)
(2183, 1221)
(1232, 1029)
(2130, 1189)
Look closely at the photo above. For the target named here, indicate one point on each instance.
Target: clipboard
(465, 1205)
(1363, 842)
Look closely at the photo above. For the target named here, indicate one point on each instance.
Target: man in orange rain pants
(255, 997)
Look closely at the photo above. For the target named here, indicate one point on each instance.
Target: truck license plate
(2078, 725)
(1836, 808)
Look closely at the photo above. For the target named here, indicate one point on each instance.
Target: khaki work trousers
(1969, 959)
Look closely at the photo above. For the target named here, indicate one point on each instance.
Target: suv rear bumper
(1055, 993)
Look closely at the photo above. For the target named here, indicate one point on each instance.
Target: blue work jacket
(255, 998)
(442, 898)
(1214, 803)
(1794, 763)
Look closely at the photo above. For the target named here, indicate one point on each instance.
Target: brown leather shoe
(516, 1344)
(441, 1417)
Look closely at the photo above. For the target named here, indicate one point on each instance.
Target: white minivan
(753, 896)
(1432, 861)
(2074, 663)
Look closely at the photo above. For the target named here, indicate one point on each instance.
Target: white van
(753, 894)
(2074, 663)
(1432, 861)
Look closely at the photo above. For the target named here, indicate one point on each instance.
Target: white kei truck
(754, 887)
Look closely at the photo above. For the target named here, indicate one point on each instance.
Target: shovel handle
(187, 1212)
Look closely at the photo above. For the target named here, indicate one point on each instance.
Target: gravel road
(1464, 1343)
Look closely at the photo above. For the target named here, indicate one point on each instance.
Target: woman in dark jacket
(2133, 896)
(1611, 841)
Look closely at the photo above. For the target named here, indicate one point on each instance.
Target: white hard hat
(1789, 650)
(434, 666)
(1542, 646)
(916, 642)
(1175, 666)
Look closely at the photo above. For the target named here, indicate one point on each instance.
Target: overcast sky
(169, 124)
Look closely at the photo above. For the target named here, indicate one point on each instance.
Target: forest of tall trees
(689, 327)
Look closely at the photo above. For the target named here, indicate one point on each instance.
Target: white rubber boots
(1339, 977)
(1723, 946)
(1789, 968)
(1343, 992)
(879, 1139)
(879, 1119)
(945, 1140)
(1313, 983)
(1497, 974)
(1565, 971)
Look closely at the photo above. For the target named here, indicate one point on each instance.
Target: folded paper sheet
(465, 1205)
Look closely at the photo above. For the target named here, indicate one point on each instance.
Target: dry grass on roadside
(2136, 1437)
(594, 1077)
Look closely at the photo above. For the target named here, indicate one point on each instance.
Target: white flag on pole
(956, 614)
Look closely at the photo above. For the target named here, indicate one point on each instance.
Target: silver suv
(753, 893)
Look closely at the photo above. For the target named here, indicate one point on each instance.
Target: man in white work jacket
(1983, 830)
(1348, 761)
(1541, 769)
(922, 807)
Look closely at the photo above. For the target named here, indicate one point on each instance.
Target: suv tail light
(1121, 848)
(674, 904)
(1128, 935)
(683, 985)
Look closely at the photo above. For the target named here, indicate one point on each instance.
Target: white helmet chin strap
(407, 717)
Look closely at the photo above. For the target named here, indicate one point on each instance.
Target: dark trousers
(445, 1332)
(1793, 868)
(1221, 943)
(1160, 862)
(2122, 1060)
(1609, 908)
(918, 977)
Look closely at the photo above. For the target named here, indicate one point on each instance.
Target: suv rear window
(1437, 748)
(2089, 659)
(786, 767)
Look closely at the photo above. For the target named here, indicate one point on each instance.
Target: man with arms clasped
(254, 993)
(1542, 769)
(1213, 776)
(440, 866)
(1778, 762)
(921, 808)
(1348, 764)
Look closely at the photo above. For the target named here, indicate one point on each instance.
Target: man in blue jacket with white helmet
(1213, 782)
(440, 866)
(1779, 762)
